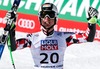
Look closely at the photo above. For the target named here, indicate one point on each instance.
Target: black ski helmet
(48, 9)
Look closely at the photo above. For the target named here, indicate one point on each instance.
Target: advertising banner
(72, 15)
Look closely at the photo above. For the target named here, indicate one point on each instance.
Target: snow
(77, 56)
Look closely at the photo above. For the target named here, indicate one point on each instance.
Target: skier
(48, 46)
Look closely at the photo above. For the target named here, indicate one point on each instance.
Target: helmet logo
(46, 5)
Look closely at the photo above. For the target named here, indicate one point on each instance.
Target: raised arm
(15, 44)
(92, 19)
(85, 37)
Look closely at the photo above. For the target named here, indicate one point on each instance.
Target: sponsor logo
(26, 23)
(49, 45)
(53, 66)
(65, 27)
(75, 8)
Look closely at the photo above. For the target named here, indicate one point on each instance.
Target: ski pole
(9, 47)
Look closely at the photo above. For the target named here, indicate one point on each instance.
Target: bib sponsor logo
(49, 45)
(53, 66)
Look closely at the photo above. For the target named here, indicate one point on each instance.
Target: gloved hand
(10, 19)
(93, 15)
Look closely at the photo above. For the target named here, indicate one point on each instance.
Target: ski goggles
(50, 14)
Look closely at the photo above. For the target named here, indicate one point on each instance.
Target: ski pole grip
(15, 5)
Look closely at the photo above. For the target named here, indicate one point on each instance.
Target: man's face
(47, 22)
(47, 19)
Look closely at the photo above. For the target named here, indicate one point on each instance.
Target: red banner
(30, 23)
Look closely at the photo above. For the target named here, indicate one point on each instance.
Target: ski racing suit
(48, 51)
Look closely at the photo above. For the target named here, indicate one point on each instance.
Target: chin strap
(48, 32)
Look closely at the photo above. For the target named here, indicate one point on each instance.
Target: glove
(93, 15)
(10, 19)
